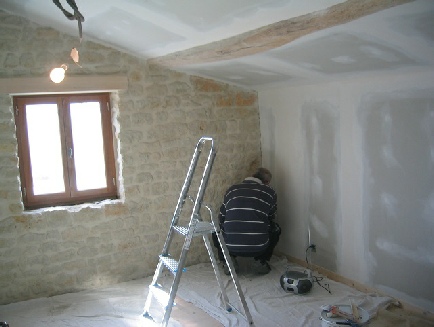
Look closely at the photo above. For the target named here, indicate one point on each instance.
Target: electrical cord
(316, 279)
(75, 16)
(309, 247)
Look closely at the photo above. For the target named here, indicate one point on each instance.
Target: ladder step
(171, 264)
(160, 295)
(202, 228)
(196, 227)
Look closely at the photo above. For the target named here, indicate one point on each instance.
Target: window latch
(70, 153)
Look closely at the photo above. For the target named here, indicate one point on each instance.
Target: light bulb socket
(58, 74)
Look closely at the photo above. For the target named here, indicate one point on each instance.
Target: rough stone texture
(157, 123)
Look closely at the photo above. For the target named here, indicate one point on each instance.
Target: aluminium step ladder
(196, 227)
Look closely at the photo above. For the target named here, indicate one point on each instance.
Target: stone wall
(158, 120)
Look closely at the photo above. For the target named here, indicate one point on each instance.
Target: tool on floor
(298, 282)
(196, 227)
(341, 315)
(295, 282)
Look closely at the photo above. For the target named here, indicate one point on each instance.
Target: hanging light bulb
(58, 74)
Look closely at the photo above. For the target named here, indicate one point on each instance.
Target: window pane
(88, 145)
(45, 148)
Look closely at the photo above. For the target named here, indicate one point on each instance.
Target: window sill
(74, 208)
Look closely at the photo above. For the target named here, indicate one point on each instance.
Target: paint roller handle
(355, 311)
(347, 323)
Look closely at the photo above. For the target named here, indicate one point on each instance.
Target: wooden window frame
(71, 196)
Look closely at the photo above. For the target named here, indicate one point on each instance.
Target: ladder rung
(202, 228)
(171, 264)
(160, 295)
(196, 227)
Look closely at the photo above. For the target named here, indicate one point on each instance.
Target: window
(65, 148)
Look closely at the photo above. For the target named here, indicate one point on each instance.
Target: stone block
(207, 85)
(157, 120)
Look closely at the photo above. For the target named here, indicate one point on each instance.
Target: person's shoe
(261, 267)
(236, 266)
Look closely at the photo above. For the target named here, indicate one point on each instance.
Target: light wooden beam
(277, 34)
(71, 84)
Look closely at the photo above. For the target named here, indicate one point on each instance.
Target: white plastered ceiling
(400, 38)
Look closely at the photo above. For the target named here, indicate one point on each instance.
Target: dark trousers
(273, 234)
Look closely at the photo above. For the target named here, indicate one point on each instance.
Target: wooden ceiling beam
(275, 35)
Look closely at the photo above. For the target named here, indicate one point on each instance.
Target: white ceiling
(396, 39)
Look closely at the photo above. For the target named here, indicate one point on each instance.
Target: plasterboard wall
(354, 164)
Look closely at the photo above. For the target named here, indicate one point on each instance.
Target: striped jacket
(245, 216)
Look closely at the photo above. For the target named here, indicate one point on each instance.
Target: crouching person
(247, 224)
